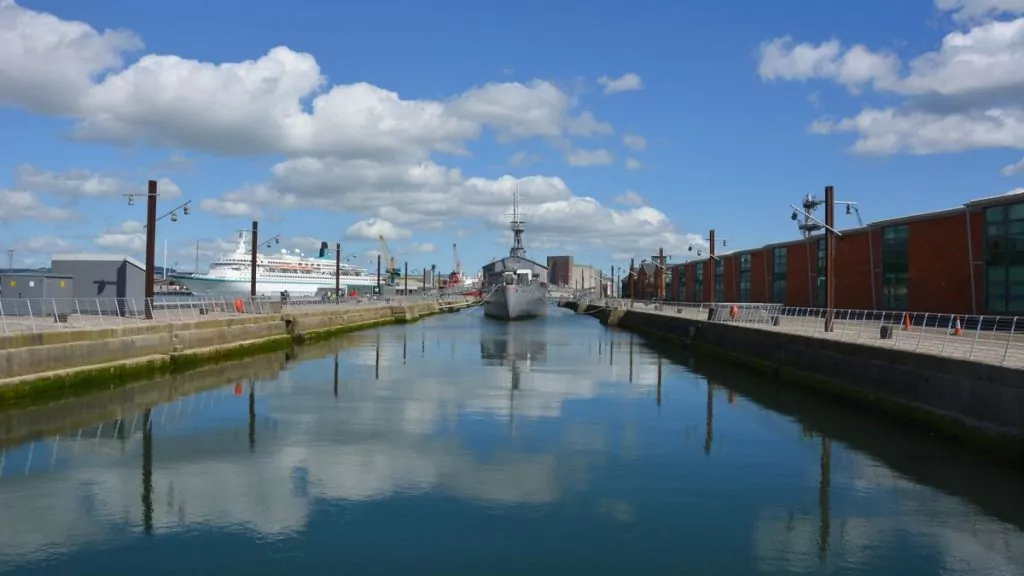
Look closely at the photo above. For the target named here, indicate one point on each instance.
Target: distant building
(110, 283)
(560, 270)
(36, 294)
(585, 277)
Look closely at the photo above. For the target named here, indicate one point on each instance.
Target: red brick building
(967, 260)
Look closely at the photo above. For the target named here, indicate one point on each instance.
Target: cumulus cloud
(633, 164)
(630, 198)
(634, 142)
(968, 93)
(628, 82)
(17, 205)
(355, 147)
(128, 236)
(374, 228)
(83, 183)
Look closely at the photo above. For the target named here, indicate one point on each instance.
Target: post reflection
(709, 420)
(376, 361)
(147, 471)
(659, 380)
(824, 483)
(252, 416)
(630, 357)
(336, 374)
(405, 344)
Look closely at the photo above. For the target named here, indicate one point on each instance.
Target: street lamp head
(174, 216)
(131, 199)
(187, 209)
(849, 209)
(794, 217)
(725, 243)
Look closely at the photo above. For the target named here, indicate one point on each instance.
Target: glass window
(779, 274)
(698, 282)
(1004, 259)
(895, 266)
(719, 280)
(744, 282)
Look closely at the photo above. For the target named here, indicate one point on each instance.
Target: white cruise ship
(230, 274)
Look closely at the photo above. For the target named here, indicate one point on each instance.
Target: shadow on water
(919, 456)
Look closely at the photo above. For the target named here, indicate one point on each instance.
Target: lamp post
(406, 276)
(378, 276)
(712, 242)
(337, 271)
(254, 254)
(811, 225)
(152, 192)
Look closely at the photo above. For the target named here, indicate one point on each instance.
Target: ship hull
(512, 303)
(199, 286)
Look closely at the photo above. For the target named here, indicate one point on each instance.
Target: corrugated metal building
(111, 283)
(966, 260)
(36, 294)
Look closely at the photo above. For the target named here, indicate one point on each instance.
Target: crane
(455, 278)
(391, 269)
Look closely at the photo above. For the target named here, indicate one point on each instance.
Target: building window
(745, 278)
(680, 295)
(822, 270)
(1004, 259)
(719, 280)
(779, 274)
(668, 283)
(698, 282)
(895, 267)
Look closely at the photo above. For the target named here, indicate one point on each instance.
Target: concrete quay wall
(975, 401)
(107, 356)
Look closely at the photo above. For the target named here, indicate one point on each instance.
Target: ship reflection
(517, 347)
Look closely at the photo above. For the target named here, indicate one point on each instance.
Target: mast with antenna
(517, 227)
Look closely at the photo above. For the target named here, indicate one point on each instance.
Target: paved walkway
(187, 311)
(989, 347)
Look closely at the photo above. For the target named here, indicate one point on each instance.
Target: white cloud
(47, 63)
(633, 164)
(424, 248)
(18, 205)
(354, 148)
(83, 183)
(630, 198)
(634, 142)
(1011, 169)
(374, 228)
(129, 236)
(42, 245)
(598, 157)
(628, 82)
(521, 159)
(586, 125)
(966, 94)
(977, 10)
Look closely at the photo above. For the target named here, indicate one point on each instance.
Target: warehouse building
(106, 283)
(966, 260)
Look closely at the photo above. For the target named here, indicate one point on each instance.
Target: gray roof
(97, 257)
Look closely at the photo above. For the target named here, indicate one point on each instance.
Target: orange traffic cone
(906, 322)
(957, 330)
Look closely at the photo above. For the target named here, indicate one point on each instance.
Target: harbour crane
(391, 268)
(456, 278)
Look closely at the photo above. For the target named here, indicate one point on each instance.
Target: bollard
(885, 332)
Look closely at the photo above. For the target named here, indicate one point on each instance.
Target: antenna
(517, 227)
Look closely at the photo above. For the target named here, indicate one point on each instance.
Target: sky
(626, 127)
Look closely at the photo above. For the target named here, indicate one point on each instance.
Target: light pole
(712, 242)
(151, 219)
(254, 253)
(378, 277)
(811, 225)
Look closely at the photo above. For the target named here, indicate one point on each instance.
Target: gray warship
(515, 287)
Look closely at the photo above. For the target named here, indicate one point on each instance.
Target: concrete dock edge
(980, 404)
(56, 365)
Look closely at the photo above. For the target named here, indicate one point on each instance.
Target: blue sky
(417, 122)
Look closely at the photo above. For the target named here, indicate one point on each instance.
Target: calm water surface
(463, 446)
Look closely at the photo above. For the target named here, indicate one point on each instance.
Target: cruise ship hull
(232, 287)
(516, 302)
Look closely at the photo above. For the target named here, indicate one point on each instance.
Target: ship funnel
(323, 249)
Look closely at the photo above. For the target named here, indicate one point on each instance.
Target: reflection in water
(526, 452)
(147, 471)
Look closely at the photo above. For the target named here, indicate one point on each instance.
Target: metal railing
(19, 315)
(990, 339)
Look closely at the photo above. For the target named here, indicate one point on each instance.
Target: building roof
(98, 257)
(35, 275)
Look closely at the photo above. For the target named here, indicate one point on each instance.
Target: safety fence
(990, 339)
(44, 314)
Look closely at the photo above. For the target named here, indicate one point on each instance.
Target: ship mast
(517, 226)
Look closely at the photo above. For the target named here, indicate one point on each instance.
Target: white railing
(18, 315)
(990, 339)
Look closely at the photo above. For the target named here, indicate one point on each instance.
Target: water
(458, 445)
